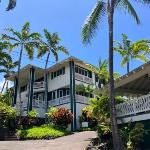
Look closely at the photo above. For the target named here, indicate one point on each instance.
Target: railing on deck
(38, 85)
(82, 99)
(59, 101)
(83, 78)
(38, 103)
(139, 105)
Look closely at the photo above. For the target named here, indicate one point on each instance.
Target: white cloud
(10, 84)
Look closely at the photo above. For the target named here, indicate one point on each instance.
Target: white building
(62, 80)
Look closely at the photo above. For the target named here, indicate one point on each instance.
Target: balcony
(82, 99)
(134, 107)
(83, 78)
(59, 101)
(38, 103)
(38, 86)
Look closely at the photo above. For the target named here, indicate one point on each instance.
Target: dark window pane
(85, 73)
(52, 75)
(61, 93)
(76, 69)
(68, 92)
(57, 93)
(80, 71)
(63, 70)
(89, 74)
(60, 71)
(96, 78)
(54, 95)
(64, 92)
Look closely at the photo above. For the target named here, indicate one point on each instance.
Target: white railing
(83, 78)
(59, 101)
(38, 85)
(139, 105)
(38, 103)
(82, 99)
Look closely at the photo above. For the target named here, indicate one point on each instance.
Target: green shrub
(42, 132)
(61, 117)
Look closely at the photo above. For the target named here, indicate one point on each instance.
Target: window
(76, 69)
(60, 93)
(54, 95)
(52, 75)
(63, 70)
(58, 73)
(89, 74)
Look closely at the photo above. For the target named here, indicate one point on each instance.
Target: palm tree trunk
(19, 87)
(7, 86)
(3, 86)
(117, 144)
(128, 67)
(46, 82)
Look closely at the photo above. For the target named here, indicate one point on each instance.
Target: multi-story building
(62, 80)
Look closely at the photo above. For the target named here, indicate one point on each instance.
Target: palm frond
(141, 57)
(124, 61)
(48, 36)
(128, 6)
(11, 5)
(54, 52)
(29, 49)
(91, 23)
(63, 49)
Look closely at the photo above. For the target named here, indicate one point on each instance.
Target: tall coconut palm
(26, 41)
(51, 45)
(101, 9)
(132, 50)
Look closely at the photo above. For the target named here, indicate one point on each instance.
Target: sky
(67, 17)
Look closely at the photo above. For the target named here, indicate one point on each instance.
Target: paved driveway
(76, 141)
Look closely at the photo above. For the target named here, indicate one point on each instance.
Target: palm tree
(102, 71)
(7, 68)
(88, 32)
(11, 5)
(25, 41)
(51, 45)
(129, 50)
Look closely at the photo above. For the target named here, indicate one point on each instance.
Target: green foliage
(33, 113)
(42, 132)
(133, 135)
(60, 117)
(132, 50)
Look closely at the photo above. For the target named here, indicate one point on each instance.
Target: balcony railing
(83, 78)
(59, 101)
(82, 99)
(38, 86)
(38, 103)
(133, 107)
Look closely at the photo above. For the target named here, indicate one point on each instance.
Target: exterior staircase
(11, 136)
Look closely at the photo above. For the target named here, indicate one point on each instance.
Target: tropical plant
(88, 32)
(62, 117)
(7, 67)
(132, 50)
(102, 71)
(51, 45)
(11, 5)
(25, 41)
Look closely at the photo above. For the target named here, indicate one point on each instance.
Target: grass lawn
(42, 132)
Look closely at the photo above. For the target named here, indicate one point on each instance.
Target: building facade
(63, 78)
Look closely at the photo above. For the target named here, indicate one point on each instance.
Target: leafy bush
(29, 120)
(61, 117)
(133, 135)
(87, 116)
(42, 132)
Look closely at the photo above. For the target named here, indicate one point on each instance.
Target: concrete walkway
(76, 141)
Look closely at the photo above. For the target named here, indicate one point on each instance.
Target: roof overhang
(136, 82)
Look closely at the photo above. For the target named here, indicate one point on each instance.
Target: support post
(72, 95)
